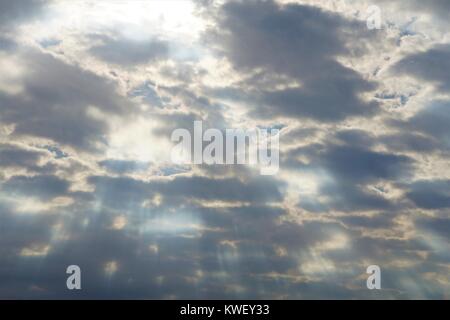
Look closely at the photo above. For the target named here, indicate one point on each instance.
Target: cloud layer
(90, 93)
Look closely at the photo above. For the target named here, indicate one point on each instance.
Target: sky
(90, 92)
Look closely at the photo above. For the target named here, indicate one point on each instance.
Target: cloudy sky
(90, 92)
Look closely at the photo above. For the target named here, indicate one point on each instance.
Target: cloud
(360, 182)
(429, 66)
(14, 12)
(432, 194)
(124, 191)
(302, 43)
(436, 225)
(431, 123)
(410, 142)
(13, 156)
(352, 170)
(124, 166)
(362, 165)
(44, 187)
(63, 106)
(437, 8)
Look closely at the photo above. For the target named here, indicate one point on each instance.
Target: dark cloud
(14, 156)
(44, 187)
(356, 138)
(361, 165)
(435, 225)
(302, 43)
(410, 142)
(438, 6)
(124, 166)
(353, 170)
(417, 138)
(430, 194)
(430, 66)
(258, 189)
(348, 157)
(432, 125)
(252, 254)
(17, 11)
(380, 221)
(124, 191)
(147, 92)
(349, 197)
(121, 192)
(57, 101)
(143, 273)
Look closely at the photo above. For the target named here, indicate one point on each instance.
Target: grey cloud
(356, 138)
(171, 122)
(169, 271)
(56, 103)
(257, 189)
(351, 166)
(243, 252)
(374, 222)
(410, 142)
(349, 197)
(16, 11)
(130, 52)
(44, 187)
(13, 156)
(395, 142)
(435, 225)
(324, 100)
(118, 191)
(124, 166)
(348, 156)
(362, 165)
(300, 42)
(433, 194)
(432, 123)
(121, 192)
(431, 65)
(33, 160)
(437, 8)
